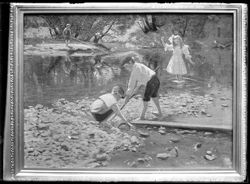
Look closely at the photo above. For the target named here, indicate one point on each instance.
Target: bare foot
(160, 118)
(156, 114)
(140, 118)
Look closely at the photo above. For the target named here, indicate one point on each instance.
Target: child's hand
(191, 62)
(129, 124)
(162, 39)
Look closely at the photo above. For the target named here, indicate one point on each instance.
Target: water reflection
(46, 77)
(72, 77)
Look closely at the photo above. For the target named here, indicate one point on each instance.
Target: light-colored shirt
(172, 37)
(109, 99)
(184, 49)
(140, 75)
(103, 104)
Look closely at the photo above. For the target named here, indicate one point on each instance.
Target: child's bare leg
(88, 114)
(145, 106)
(157, 104)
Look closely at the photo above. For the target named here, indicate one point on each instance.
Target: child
(96, 37)
(142, 75)
(67, 34)
(102, 108)
(176, 64)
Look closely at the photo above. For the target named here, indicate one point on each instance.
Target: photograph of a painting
(106, 93)
(71, 60)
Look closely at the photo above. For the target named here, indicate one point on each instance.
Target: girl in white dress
(176, 65)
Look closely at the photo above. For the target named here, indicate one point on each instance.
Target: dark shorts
(67, 37)
(152, 88)
(102, 117)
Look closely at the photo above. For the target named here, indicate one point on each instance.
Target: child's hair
(118, 90)
(175, 30)
(129, 59)
(180, 40)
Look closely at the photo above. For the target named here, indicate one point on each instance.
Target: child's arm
(162, 41)
(186, 52)
(190, 60)
(166, 46)
(171, 39)
(116, 109)
(63, 32)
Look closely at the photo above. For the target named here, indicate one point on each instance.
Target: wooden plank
(183, 125)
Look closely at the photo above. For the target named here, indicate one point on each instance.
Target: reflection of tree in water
(34, 77)
(86, 70)
(56, 70)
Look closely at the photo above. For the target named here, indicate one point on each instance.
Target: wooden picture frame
(14, 124)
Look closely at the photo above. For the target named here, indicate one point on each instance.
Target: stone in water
(143, 134)
(162, 156)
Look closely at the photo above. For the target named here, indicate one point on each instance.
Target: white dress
(176, 64)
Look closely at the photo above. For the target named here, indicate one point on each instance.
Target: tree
(147, 23)
(84, 27)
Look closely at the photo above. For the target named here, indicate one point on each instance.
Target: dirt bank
(64, 137)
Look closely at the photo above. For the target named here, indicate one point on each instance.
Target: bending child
(141, 75)
(103, 107)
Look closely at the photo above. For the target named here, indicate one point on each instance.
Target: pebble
(105, 164)
(94, 164)
(30, 150)
(65, 147)
(74, 137)
(148, 158)
(75, 133)
(134, 149)
(197, 146)
(46, 122)
(65, 122)
(192, 156)
(162, 156)
(209, 115)
(162, 128)
(210, 99)
(203, 111)
(125, 148)
(162, 132)
(184, 105)
(174, 140)
(134, 164)
(134, 140)
(141, 160)
(227, 162)
(102, 157)
(42, 127)
(224, 105)
(173, 152)
(210, 157)
(143, 134)
(209, 152)
(208, 133)
(92, 135)
(188, 131)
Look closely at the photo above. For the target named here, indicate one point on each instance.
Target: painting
(126, 92)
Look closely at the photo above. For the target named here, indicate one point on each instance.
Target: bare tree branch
(185, 26)
(112, 23)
